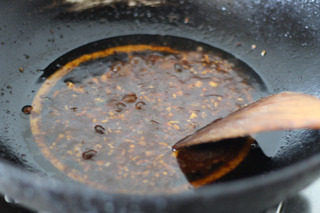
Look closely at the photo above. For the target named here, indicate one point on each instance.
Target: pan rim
(18, 175)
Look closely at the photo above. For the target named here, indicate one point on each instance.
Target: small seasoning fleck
(206, 58)
(213, 84)
(186, 20)
(154, 122)
(178, 68)
(74, 109)
(198, 84)
(69, 84)
(87, 155)
(193, 115)
(130, 98)
(140, 104)
(99, 129)
(176, 126)
(27, 109)
(120, 107)
(238, 44)
(21, 69)
(263, 52)
(199, 49)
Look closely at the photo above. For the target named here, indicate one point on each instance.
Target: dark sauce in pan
(107, 114)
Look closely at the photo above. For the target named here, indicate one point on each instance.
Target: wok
(34, 33)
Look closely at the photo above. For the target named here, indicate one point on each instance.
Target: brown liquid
(205, 164)
(130, 104)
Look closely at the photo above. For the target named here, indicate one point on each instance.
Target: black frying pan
(34, 33)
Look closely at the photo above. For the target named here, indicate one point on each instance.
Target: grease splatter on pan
(130, 99)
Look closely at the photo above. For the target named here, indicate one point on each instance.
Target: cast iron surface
(34, 33)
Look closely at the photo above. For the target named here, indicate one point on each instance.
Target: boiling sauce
(108, 118)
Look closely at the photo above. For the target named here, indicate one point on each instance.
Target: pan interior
(35, 32)
(107, 113)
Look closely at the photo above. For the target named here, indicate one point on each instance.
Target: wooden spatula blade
(286, 110)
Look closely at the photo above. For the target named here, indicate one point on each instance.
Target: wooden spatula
(286, 110)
